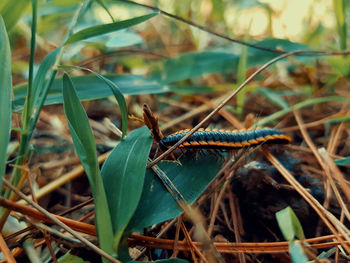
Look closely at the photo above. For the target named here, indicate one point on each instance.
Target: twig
(6, 251)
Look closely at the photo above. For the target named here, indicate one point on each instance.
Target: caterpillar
(225, 139)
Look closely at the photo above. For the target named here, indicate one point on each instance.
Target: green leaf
(39, 82)
(107, 28)
(219, 60)
(340, 14)
(191, 65)
(84, 144)
(12, 11)
(41, 87)
(5, 96)
(289, 224)
(124, 39)
(297, 253)
(87, 87)
(191, 178)
(344, 161)
(123, 174)
(117, 94)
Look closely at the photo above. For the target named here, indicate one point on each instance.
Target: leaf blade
(117, 94)
(289, 224)
(84, 144)
(157, 205)
(123, 174)
(107, 28)
(5, 96)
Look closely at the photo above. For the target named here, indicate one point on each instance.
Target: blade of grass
(107, 28)
(41, 87)
(103, 5)
(5, 96)
(28, 107)
(12, 11)
(117, 94)
(84, 144)
(300, 105)
(339, 10)
(344, 161)
(241, 75)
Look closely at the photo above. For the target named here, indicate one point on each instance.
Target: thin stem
(29, 101)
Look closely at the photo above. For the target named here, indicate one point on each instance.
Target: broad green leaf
(5, 96)
(107, 28)
(12, 11)
(340, 14)
(274, 43)
(289, 224)
(124, 39)
(297, 253)
(123, 174)
(219, 60)
(191, 178)
(274, 97)
(344, 161)
(117, 94)
(90, 87)
(191, 65)
(84, 144)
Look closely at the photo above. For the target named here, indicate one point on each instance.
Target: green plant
(292, 230)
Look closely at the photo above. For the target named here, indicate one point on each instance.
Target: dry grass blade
(335, 172)
(329, 171)
(76, 172)
(212, 253)
(6, 251)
